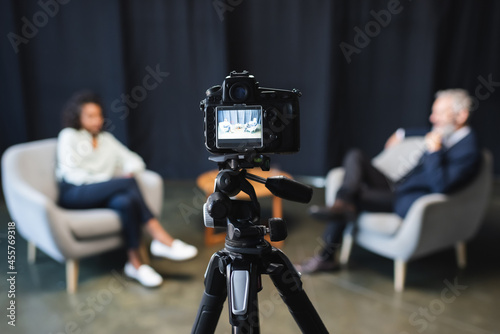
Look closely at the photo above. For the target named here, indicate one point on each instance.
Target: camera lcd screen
(239, 127)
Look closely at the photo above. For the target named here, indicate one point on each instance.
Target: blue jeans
(121, 194)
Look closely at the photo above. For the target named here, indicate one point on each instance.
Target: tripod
(235, 272)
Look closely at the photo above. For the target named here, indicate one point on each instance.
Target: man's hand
(433, 141)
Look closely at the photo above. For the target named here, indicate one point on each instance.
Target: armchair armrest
(435, 222)
(27, 204)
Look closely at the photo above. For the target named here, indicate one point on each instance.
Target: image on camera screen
(239, 127)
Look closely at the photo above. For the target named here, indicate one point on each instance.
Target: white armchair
(434, 222)
(31, 192)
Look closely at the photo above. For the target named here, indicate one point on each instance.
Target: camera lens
(238, 92)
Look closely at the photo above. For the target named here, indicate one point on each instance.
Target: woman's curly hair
(73, 108)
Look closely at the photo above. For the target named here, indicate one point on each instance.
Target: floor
(438, 298)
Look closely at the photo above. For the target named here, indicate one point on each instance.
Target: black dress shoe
(317, 264)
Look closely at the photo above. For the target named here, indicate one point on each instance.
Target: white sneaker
(179, 251)
(145, 275)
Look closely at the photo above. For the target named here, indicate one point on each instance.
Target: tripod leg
(243, 282)
(213, 298)
(287, 281)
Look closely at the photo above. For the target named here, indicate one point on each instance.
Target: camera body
(240, 117)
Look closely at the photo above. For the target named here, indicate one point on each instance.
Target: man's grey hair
(461, 98)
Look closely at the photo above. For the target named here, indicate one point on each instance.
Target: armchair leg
(31, 252)
(345, 250)
(399, 275)
(461, 251)
(71, 276)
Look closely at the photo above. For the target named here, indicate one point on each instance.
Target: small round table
(206, 183)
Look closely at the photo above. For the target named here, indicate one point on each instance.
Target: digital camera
(240, 117)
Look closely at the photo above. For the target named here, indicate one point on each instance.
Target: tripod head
(242, 217)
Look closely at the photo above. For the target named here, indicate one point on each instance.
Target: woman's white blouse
(78, 162)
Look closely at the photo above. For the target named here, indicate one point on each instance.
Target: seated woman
(96, 171)
(225, 126)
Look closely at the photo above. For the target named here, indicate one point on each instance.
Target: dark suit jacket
(443, 171)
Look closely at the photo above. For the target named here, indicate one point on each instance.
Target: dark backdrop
(364, 67)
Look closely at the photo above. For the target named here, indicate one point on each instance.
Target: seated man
(451, 159)
(252, 125)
